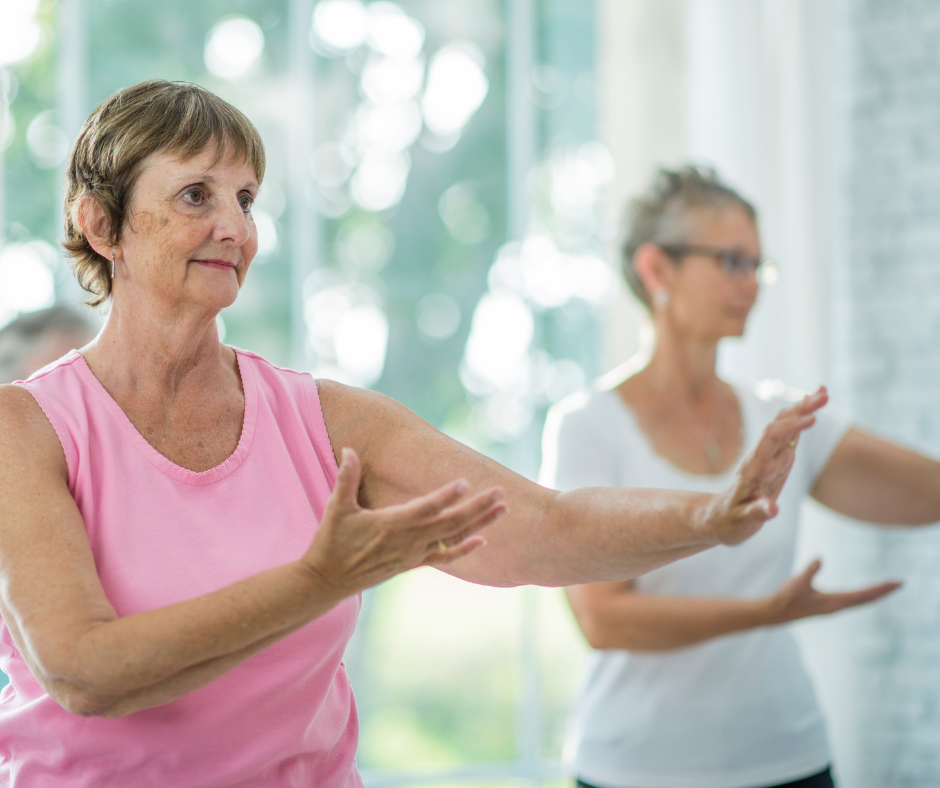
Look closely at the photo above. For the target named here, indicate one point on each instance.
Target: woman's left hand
(356, 548)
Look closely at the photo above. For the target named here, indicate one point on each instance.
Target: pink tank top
(163, 534)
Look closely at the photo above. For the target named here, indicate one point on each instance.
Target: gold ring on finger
(792, 443)
(441, 546)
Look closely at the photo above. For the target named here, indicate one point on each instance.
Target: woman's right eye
(195, 196)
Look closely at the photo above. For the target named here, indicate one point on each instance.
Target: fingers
(431, 505)
(346, 489)
(811, 571)
(808, 405)
(863, 596)
(763, 509)
(463, 519)
(456, 552)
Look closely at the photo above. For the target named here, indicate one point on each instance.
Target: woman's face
(190, 237)
(704, 299)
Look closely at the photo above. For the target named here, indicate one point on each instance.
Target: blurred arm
(614, 616)
(880, 482)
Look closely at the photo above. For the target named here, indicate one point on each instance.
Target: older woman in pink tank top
(186, 528)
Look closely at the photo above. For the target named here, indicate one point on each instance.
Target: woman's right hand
(797, 598)
(739, 513)
(356, 548)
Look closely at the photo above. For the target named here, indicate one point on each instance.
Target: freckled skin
(159, 354)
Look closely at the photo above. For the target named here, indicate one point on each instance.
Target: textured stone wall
(887, 354)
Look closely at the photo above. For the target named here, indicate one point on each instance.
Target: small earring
(112, 264)
(661, 299)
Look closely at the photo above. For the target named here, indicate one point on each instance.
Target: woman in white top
(693, 682)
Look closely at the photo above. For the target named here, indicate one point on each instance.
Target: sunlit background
(439, 222)
(429, 226)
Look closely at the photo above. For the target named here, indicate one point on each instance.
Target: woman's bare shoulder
(26, 436)
(347, 407)
(369, 422)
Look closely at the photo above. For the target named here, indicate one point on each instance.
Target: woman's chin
(218, 298)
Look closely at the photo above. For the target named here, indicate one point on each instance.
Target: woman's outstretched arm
(552, 538)
(616, 616)
(880, 482)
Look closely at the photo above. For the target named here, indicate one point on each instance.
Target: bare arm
(551, 538)
(94, 663)
(873, 480)
(615, 616)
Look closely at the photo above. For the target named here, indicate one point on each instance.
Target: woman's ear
(95, 226)
(654, 267)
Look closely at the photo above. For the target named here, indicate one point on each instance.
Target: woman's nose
(233, 224)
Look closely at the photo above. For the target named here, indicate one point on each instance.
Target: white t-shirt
(737, 710)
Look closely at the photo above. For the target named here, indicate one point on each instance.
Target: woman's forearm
(186, 681)
(589, 535)
(145, 654)
(641, 622)
(604, 533)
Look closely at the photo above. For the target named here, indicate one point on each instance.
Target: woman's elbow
(83, 702)
(598, 634)
(76, 688)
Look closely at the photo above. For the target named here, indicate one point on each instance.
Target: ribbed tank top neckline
(166, 466)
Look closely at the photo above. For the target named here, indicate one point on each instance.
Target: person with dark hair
(694, 680)
(34, 339)
(187, 528)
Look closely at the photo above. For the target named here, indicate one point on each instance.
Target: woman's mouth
(222, 264)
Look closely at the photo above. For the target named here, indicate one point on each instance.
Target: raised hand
(752, 499)
(797, 598)
(357, 548)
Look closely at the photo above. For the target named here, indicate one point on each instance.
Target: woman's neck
(160, 355)
(684, 367)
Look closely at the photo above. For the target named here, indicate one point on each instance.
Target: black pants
(821, 780)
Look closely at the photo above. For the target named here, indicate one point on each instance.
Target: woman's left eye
(246, 201)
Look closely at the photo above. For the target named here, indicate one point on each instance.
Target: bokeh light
(233, 47)
(364, 246)
(20, 33)
(26, 282)
(392, 78)
(463, 214)
(393, 32)
(361, 342)
(437, 316)
(387, 127)
(48, 144)
(340, 25)
(496, 355)
(456, 88)
(268, 236)
(380, 181)
(332, 164)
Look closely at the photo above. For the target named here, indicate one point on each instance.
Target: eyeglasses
(735, 263)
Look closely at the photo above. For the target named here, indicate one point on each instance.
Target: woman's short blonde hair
(150, 117)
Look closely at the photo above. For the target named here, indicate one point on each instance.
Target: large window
(430, 227)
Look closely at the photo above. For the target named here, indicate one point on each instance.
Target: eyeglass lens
(738, 263)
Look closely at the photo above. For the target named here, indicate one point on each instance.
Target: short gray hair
(663, 214)
(29, 335)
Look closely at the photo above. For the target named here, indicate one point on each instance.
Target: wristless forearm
(599, 534)
(640, 622)
(142, 650)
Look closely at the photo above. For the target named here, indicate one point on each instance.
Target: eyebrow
(205, 177)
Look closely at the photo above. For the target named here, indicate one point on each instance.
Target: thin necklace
(704, 435)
